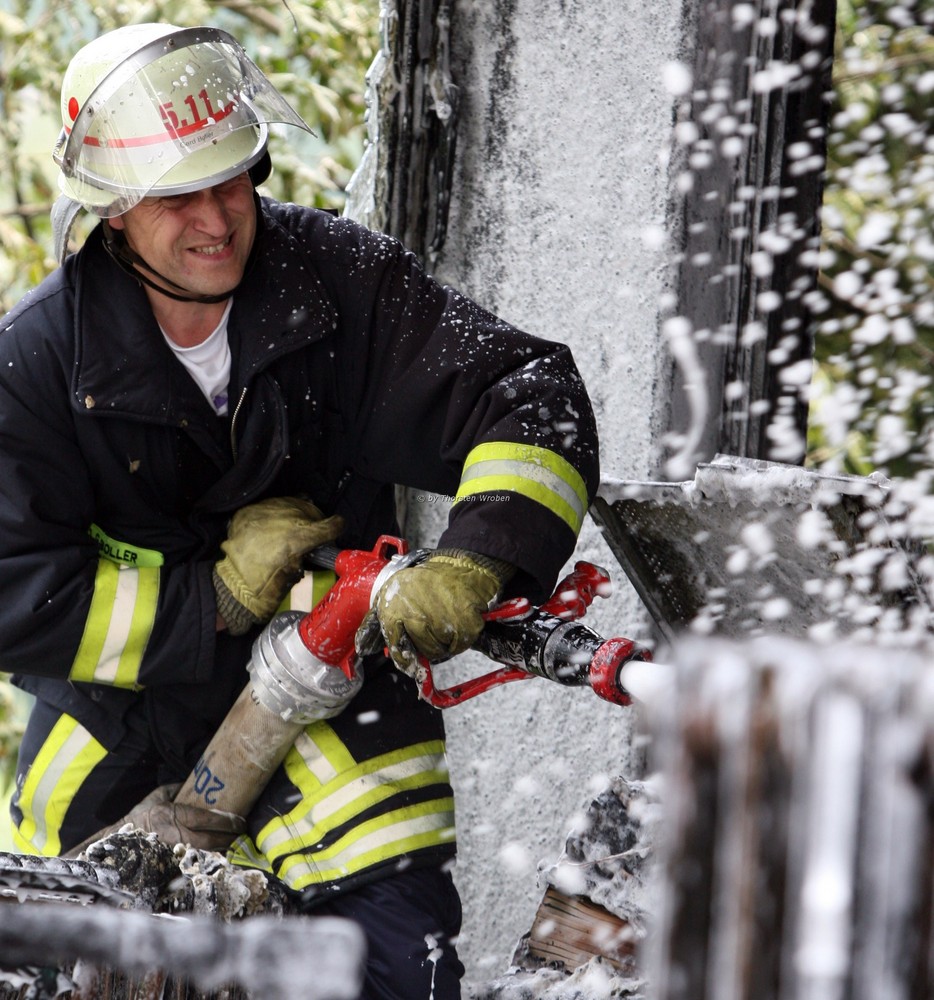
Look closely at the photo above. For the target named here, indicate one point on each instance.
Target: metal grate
(751, 547)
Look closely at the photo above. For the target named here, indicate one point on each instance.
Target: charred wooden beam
(319, 958)
(402, 186)
(751, 159)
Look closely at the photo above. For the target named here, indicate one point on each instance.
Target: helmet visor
(184, 112)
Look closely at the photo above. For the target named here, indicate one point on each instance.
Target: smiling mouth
(212, 250)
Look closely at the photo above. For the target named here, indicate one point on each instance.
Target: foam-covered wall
(557, 223)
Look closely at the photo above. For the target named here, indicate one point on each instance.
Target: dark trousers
(411, 922)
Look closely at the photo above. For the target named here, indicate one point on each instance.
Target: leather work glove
(206, 829)
(263, 557)
(434, 608)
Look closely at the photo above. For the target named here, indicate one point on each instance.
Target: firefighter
(214, 384)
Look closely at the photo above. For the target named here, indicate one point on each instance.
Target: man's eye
(175, 201)
(226, 187)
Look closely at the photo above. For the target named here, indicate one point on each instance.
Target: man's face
(201, 241)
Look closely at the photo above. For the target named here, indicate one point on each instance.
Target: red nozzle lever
(547, 642)
(575, 593)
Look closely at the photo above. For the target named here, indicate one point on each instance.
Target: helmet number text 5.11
(174, 123)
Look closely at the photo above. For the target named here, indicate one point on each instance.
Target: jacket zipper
(233, 423)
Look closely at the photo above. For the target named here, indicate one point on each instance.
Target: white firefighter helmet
(154, 109)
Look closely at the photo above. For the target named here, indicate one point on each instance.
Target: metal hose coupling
(289, 680)
(289, 688)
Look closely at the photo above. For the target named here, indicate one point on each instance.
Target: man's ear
(116, 222)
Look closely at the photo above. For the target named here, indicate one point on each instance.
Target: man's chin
(216, 284)
(210, 278)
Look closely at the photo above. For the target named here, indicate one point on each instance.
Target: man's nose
(210, 212)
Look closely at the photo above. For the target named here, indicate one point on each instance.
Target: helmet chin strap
(130, 261)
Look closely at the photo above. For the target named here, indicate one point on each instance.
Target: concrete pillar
(559, 200)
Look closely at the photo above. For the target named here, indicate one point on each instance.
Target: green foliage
(316, 52)
(11, 730)
(875, 336)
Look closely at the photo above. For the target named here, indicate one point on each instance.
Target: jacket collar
(123, 365)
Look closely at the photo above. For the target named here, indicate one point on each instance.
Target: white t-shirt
(208, 363)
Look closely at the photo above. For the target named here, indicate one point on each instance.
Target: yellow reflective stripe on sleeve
(537, 473)
(391, 835)
(67, 757)
(119, 623)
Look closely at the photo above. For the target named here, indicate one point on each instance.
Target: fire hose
(304, 666)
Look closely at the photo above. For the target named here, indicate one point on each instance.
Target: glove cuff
(503, 571)
(236, 617)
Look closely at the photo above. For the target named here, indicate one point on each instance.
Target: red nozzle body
(329, 629)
